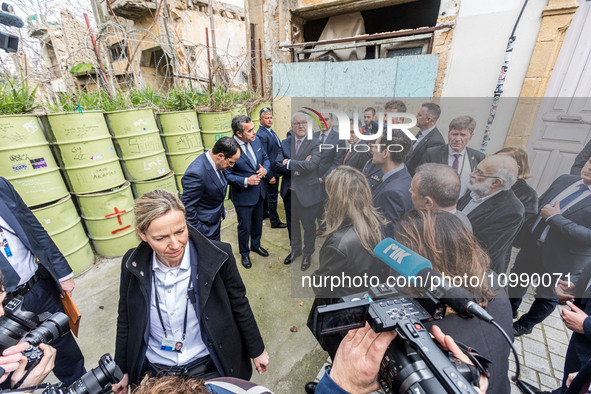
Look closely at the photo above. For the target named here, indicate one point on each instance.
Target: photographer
(357, 362)
(13, 361)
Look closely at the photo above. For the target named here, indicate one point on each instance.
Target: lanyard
(4, 228)
(160, 313)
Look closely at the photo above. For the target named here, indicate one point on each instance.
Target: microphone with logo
(419, 270)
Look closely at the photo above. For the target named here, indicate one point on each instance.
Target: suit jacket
(567, 247)
(392, 197)
(249, 195)
(327, 154)
(356, 157)
(581, 159)
(203, 195)
(272, 145)
(28, 229)
(373, 174)
(495, 223)
(440, 154)
(414, 158)
(303, 173)
(228, 327)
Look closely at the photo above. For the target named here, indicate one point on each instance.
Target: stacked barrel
(84, 147)
(27, 162)
(182, 138)
(215, 125)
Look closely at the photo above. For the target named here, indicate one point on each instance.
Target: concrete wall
(477, 51)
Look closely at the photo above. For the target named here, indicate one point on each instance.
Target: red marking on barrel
(121, 229)
(117, 213)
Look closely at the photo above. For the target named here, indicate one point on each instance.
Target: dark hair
(433, 110)
(265, 110)
(462, 122)
(226, 145)
(443, 239)
(238, 121)
(372, 109)
(440, 182)
(398, 138)
(395, 104)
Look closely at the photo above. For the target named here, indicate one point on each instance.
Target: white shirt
(22, 260)
(172, 284)
(215, 169)
(464, 168)
(566, 192)
(243, 146)
(475, 201)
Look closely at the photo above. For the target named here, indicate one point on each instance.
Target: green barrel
(167, 182)
(109, 220)
(181, 138)
(178, 122)
(138, 142)
(85, 150)
(62, 223)
(179, 184)
(215, 125)
(255, 114)
(27, 162)
(238, 110)
(180, 161)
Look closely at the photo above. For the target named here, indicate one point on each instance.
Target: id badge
(4, 244)
(172, 345)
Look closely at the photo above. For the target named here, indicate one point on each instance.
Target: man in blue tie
(557, 241)
(205, 185)
(35, 269)
(272, 146)
(247, 191)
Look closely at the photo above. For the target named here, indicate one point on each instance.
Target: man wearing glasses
(494, 211)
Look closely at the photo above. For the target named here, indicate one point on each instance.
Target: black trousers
(297, 213)
(69, 361)
(250, 226)
(271, 201)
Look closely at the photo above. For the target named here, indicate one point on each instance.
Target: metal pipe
(261, 67)
(98, 55)
(209, 66)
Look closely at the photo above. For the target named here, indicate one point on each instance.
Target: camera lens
(95, 380)
(54, 327)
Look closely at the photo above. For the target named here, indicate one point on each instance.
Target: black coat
(228, 326)
(356, 157)
(495, 223)
(440, 154)
(415, 157)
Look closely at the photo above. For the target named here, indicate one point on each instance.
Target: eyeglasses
(300, 123)
(478, 173)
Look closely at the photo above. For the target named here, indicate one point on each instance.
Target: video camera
(413, 363)
(19, 325)
(9, 42)
(97, 380)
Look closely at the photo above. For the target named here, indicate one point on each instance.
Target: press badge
(172, 345)
(4, 244)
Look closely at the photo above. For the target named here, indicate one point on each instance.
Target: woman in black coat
(353, 229)
(443, 239)
(179, 287)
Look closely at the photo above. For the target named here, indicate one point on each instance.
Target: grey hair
(509, 177)
(440, 182)
(154, 204)
(265, 110)
(297, 114)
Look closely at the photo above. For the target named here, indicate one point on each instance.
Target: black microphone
(10, 20)
(412, 265)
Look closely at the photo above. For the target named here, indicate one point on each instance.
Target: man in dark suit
(205, 185)
(272, 146)
(581, 159)
(427, 137)
(558, 240)
(494, 211)
(247, 191)
(370, 126)
(356, 155)
(456, 154)
(373, 173)
(392, 196)
(330, 144)
(302, 195)
(35, 269)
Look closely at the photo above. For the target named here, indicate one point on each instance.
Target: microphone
(10, 20)
(417, 268)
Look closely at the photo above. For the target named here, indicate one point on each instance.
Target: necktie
(297, 146)
(276, 138)
(346, 157)
(456, 162)
(322, 138)
(247, 151)
(539, 229)
(11, 277)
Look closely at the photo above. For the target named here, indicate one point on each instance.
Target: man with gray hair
(494, 211)
(437, 186)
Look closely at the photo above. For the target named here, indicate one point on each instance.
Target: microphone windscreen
(400, 258)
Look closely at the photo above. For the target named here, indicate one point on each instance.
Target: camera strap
(480, 363)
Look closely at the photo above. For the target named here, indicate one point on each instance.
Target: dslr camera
(413, 362)
(19, 325)
(96, 381)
